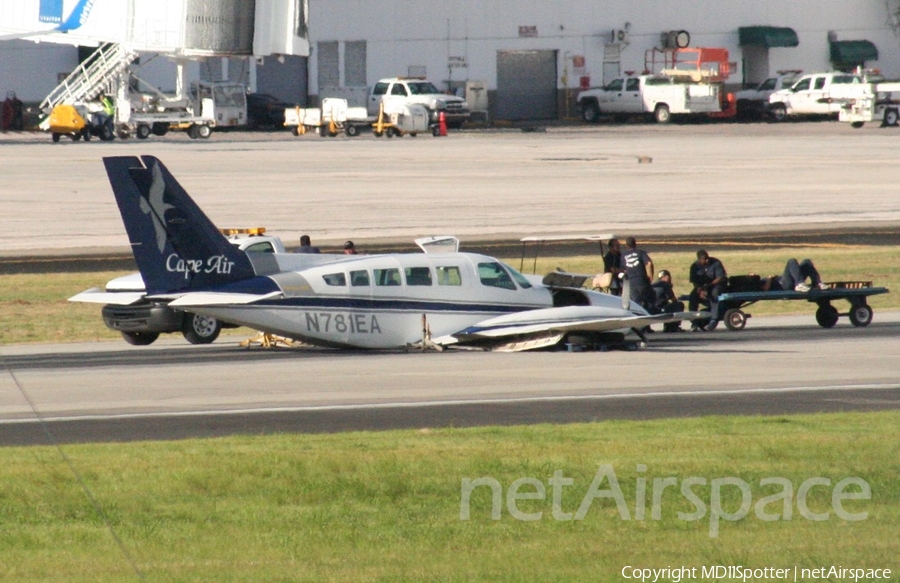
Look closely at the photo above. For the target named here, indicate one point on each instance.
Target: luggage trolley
(731, 304)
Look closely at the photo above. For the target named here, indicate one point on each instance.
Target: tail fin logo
(154, 206)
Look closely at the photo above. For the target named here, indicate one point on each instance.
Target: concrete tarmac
(627, 178)
(777, 365)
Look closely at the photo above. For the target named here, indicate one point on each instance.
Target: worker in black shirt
(611, 265)
(666, 300)
(709, 279)
(638, 269)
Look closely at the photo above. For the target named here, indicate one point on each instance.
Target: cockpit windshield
(520, 279)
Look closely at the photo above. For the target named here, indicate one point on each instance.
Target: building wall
(430, 35)
(31, 69)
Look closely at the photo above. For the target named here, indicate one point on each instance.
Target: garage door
(526, 85)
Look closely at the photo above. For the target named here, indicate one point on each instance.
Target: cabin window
(261, 247)
(448, 275)
(615, 85)
(335, 279)
(359, 278)
(493, 275)
(820, 83)
(418, 276)
(633, 84)
(386, 276)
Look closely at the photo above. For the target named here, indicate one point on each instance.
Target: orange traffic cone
(442, 124)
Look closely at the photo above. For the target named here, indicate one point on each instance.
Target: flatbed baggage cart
(731, 305)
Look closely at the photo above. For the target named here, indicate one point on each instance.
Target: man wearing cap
(666, 300)
(349, 248)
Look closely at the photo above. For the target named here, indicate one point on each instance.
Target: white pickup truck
(142, 322)
(816, 94)
(753, 103)
(658, 95)
(397, 92)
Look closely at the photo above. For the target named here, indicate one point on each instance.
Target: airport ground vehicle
(335, 116)
(753, 103)
(677, 81)
(79, 121)
(142, 321)
(817, 94)
(657, 95)
(730, 308)
(209, 105)
(879, 102)
(395, 92)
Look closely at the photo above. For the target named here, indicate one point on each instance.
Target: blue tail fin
(177, 248)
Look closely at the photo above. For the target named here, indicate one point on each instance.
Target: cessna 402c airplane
(363, 301)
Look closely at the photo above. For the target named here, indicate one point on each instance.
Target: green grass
(33, 308)
(386, 506)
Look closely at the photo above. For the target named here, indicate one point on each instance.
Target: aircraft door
(631, 96)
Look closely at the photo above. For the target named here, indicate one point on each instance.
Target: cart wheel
(827, 315)
(75, 137)
(323, 132)
(413, 134)
(143, 131)
(352, 131)
(389, 133)
(735, 320)
(436, 131)
(857, 124)
(204, 131)
(891, 117)
(860, 315)
(86, 134)
(192, 132)
(378, 134)
(55, 137)
(295, 130)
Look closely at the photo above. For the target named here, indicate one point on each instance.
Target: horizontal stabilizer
(96, 295)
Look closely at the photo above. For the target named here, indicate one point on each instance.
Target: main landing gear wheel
(735, 320)
(199, 329)
(860, 315)
(140, 338)
(827, 316)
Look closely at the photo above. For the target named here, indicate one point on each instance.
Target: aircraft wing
(562, 320)
(96, 295)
